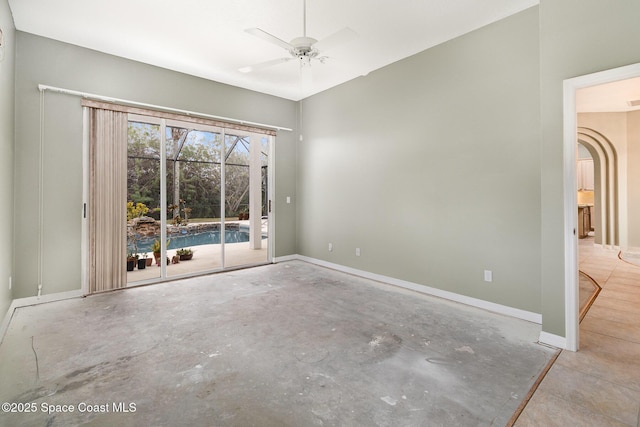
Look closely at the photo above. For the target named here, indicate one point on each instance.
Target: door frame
(570, 127)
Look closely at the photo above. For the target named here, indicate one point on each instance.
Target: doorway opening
(609, 215)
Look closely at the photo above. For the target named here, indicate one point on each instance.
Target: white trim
(223, 195)
(84, 214)
(570, 86)
(427, 290)
(41, 195)
(163, 199)
(255, 192)
(42, 88)
(553, 340)
(271, 181)
(570, 219)
(29, 301)
(285, 258)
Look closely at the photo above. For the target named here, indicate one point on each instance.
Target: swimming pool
(211, 237)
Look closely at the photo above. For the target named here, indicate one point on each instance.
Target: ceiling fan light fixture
(305, 61)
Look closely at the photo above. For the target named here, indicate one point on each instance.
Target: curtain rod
(42, 88)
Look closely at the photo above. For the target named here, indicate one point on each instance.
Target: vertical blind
(108, 198)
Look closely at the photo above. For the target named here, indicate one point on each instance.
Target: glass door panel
(264, 194)
(143, 200)
(193, 200)
(243, 201)
(214, 210)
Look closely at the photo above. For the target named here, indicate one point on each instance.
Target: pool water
(196, 239)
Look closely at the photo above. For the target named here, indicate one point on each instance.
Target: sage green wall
(45, 61)
(577, 37)
(7, 99)
(438, 166)
(431, 166)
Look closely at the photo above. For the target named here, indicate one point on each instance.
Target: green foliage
(193, 171)
(143, 163)
(155, 247)
(136, 210)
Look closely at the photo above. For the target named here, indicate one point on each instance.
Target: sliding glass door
(245, 192)
(197, 198)
(143, 199)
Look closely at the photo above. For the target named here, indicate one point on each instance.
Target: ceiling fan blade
(342, 36)
(269, 37)
(262, 65)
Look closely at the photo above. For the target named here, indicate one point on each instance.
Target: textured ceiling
(206, 38)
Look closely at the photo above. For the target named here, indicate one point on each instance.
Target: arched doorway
(606, 205)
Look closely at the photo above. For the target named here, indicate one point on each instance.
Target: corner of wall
(553, 340)
(7, 142)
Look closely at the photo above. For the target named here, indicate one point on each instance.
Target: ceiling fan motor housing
(303, 46)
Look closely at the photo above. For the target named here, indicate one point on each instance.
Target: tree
(194, 173)
(143, 163)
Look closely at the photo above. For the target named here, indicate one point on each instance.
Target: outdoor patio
(205, 258)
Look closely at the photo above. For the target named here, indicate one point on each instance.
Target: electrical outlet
(488, 276)
(330, 247)
(9, 282)
(288, 199)
(357, 251)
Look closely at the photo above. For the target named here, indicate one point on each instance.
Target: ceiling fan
(304, 49)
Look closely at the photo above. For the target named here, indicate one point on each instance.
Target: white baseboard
(474, 302)
(25, 302)
(553, 340)
(285, 258)
(545, 337)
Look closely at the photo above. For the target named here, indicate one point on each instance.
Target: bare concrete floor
(290, 344)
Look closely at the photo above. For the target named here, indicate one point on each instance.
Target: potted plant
(142, 263)
(131, 261)
(184, 254)
(148, 260)
(155, 248)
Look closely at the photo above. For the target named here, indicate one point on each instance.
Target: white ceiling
(206, 38)
(609, 97)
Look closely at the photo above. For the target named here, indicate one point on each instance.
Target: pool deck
(206, 258)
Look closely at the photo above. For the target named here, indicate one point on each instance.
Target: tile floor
(600, 384)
